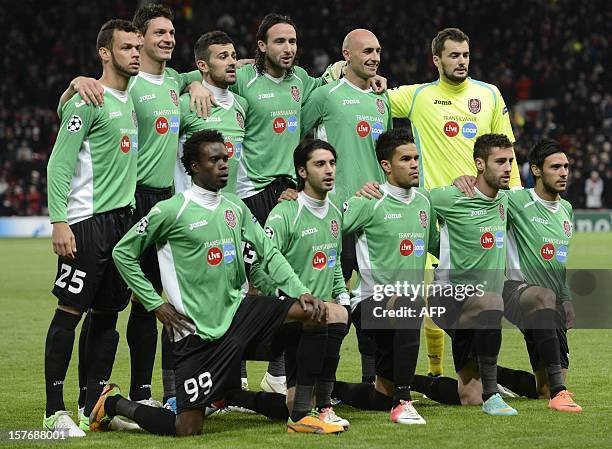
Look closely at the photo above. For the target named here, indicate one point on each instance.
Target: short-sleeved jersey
(156, 100)
(393, 237)
(311, 241)
(472, 237)
(92, 168)
(539, 234)
(228, 120)
(351, 119)
(199, 247)
(446, 120)
(272, 127)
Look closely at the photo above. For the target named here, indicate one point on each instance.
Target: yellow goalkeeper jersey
(446, 120)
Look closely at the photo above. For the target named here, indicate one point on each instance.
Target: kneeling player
(198, 234)
(307, 232)
(393, 236)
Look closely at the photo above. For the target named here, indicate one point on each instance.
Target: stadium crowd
(548, 63)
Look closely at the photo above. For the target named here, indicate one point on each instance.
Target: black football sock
(270, 405)
(58, 351)
(101, 349)
(310, 357)
(520, 382)
(167, 349)
(405, 354)
(141, 336)
(276, 367)
(83, 361)
(542, 323)
(440, 389)
(159, 421)
(290, 334)
(325, 382)
(363, 396)
(243, 370)
(487, 342)
(367, 349)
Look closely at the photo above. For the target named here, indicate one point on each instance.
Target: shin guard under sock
(141, 336)
(167, 349)
(440, 389)
(405, 354)
(363, 396)
(83, 361)
(544, 332)
(270, 405)
(325, 381)
(487, 342)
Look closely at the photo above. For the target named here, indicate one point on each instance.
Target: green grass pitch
(28, 267)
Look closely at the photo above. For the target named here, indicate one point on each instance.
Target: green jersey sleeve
(310, 83)
(272, 261)
(357, 214)
(313, 110)
(189, 119)
(77, 119)
(151, 229)
(185, 79)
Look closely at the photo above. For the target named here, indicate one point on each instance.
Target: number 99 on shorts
(196, 387)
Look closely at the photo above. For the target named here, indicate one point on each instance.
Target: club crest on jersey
(474, 105)
(335, 229)
(567, 228)
(502, 212)
(230, 218)
(423, 218)
(240, 120)
(134, 118)
(174, 97)
(295, 93)
(380, 105)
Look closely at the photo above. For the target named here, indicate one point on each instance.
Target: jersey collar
(317, 207)
(155, 79)
(552, 206)
(486, 197)
(451, 88)
(223, 97)
(205, 198)
(120, 95)
(347, 82)
(400, 194)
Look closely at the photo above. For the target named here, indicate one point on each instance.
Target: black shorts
(263, 202)
(91, 280)
(513, 313)
(205, 370)
(383, 340)
(146, 198)
(348, 258)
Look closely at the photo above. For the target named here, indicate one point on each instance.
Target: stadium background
(548, 58)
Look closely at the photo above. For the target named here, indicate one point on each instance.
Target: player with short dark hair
(92, 178)
(212, 320)
(393, 236)
(446, 116)
(469, 280)
(308, 233)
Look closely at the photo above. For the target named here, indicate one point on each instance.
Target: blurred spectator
(593, 188)
(547, 57)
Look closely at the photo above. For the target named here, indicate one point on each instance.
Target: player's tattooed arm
(64, 243)
(466, 184)
(90, 89)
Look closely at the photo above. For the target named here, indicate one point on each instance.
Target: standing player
(92, 178)
(469, 280)
(446, 116)
(211, 319)
(350, 116)
(155, 93)
(393, 236)
(536, 297)
(216, 58)
(307, 233)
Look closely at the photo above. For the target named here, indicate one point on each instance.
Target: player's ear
(480, 164)
(261, 45)
(535, 170)
(436, 60)
(346, 54)
(302, 172)
(202, 66)
(104, 53)
(386, 166)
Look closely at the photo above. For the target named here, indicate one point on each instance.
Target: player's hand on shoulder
(243, 62)
(378, 84)
(64, 243)
(466, 184)
(288, 195)
(90, 90)
(172, 320)
(202, 99)
(370, 190)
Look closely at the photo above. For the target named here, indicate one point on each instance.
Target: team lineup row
(112, 157)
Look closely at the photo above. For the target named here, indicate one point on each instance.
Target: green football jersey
(310, 239)
(539, 234)
(92, 168)
(272, 127)
(393, 236)
(156, 100)
(228, 120)
(351, 119)
(199, 247)
(472, 237)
